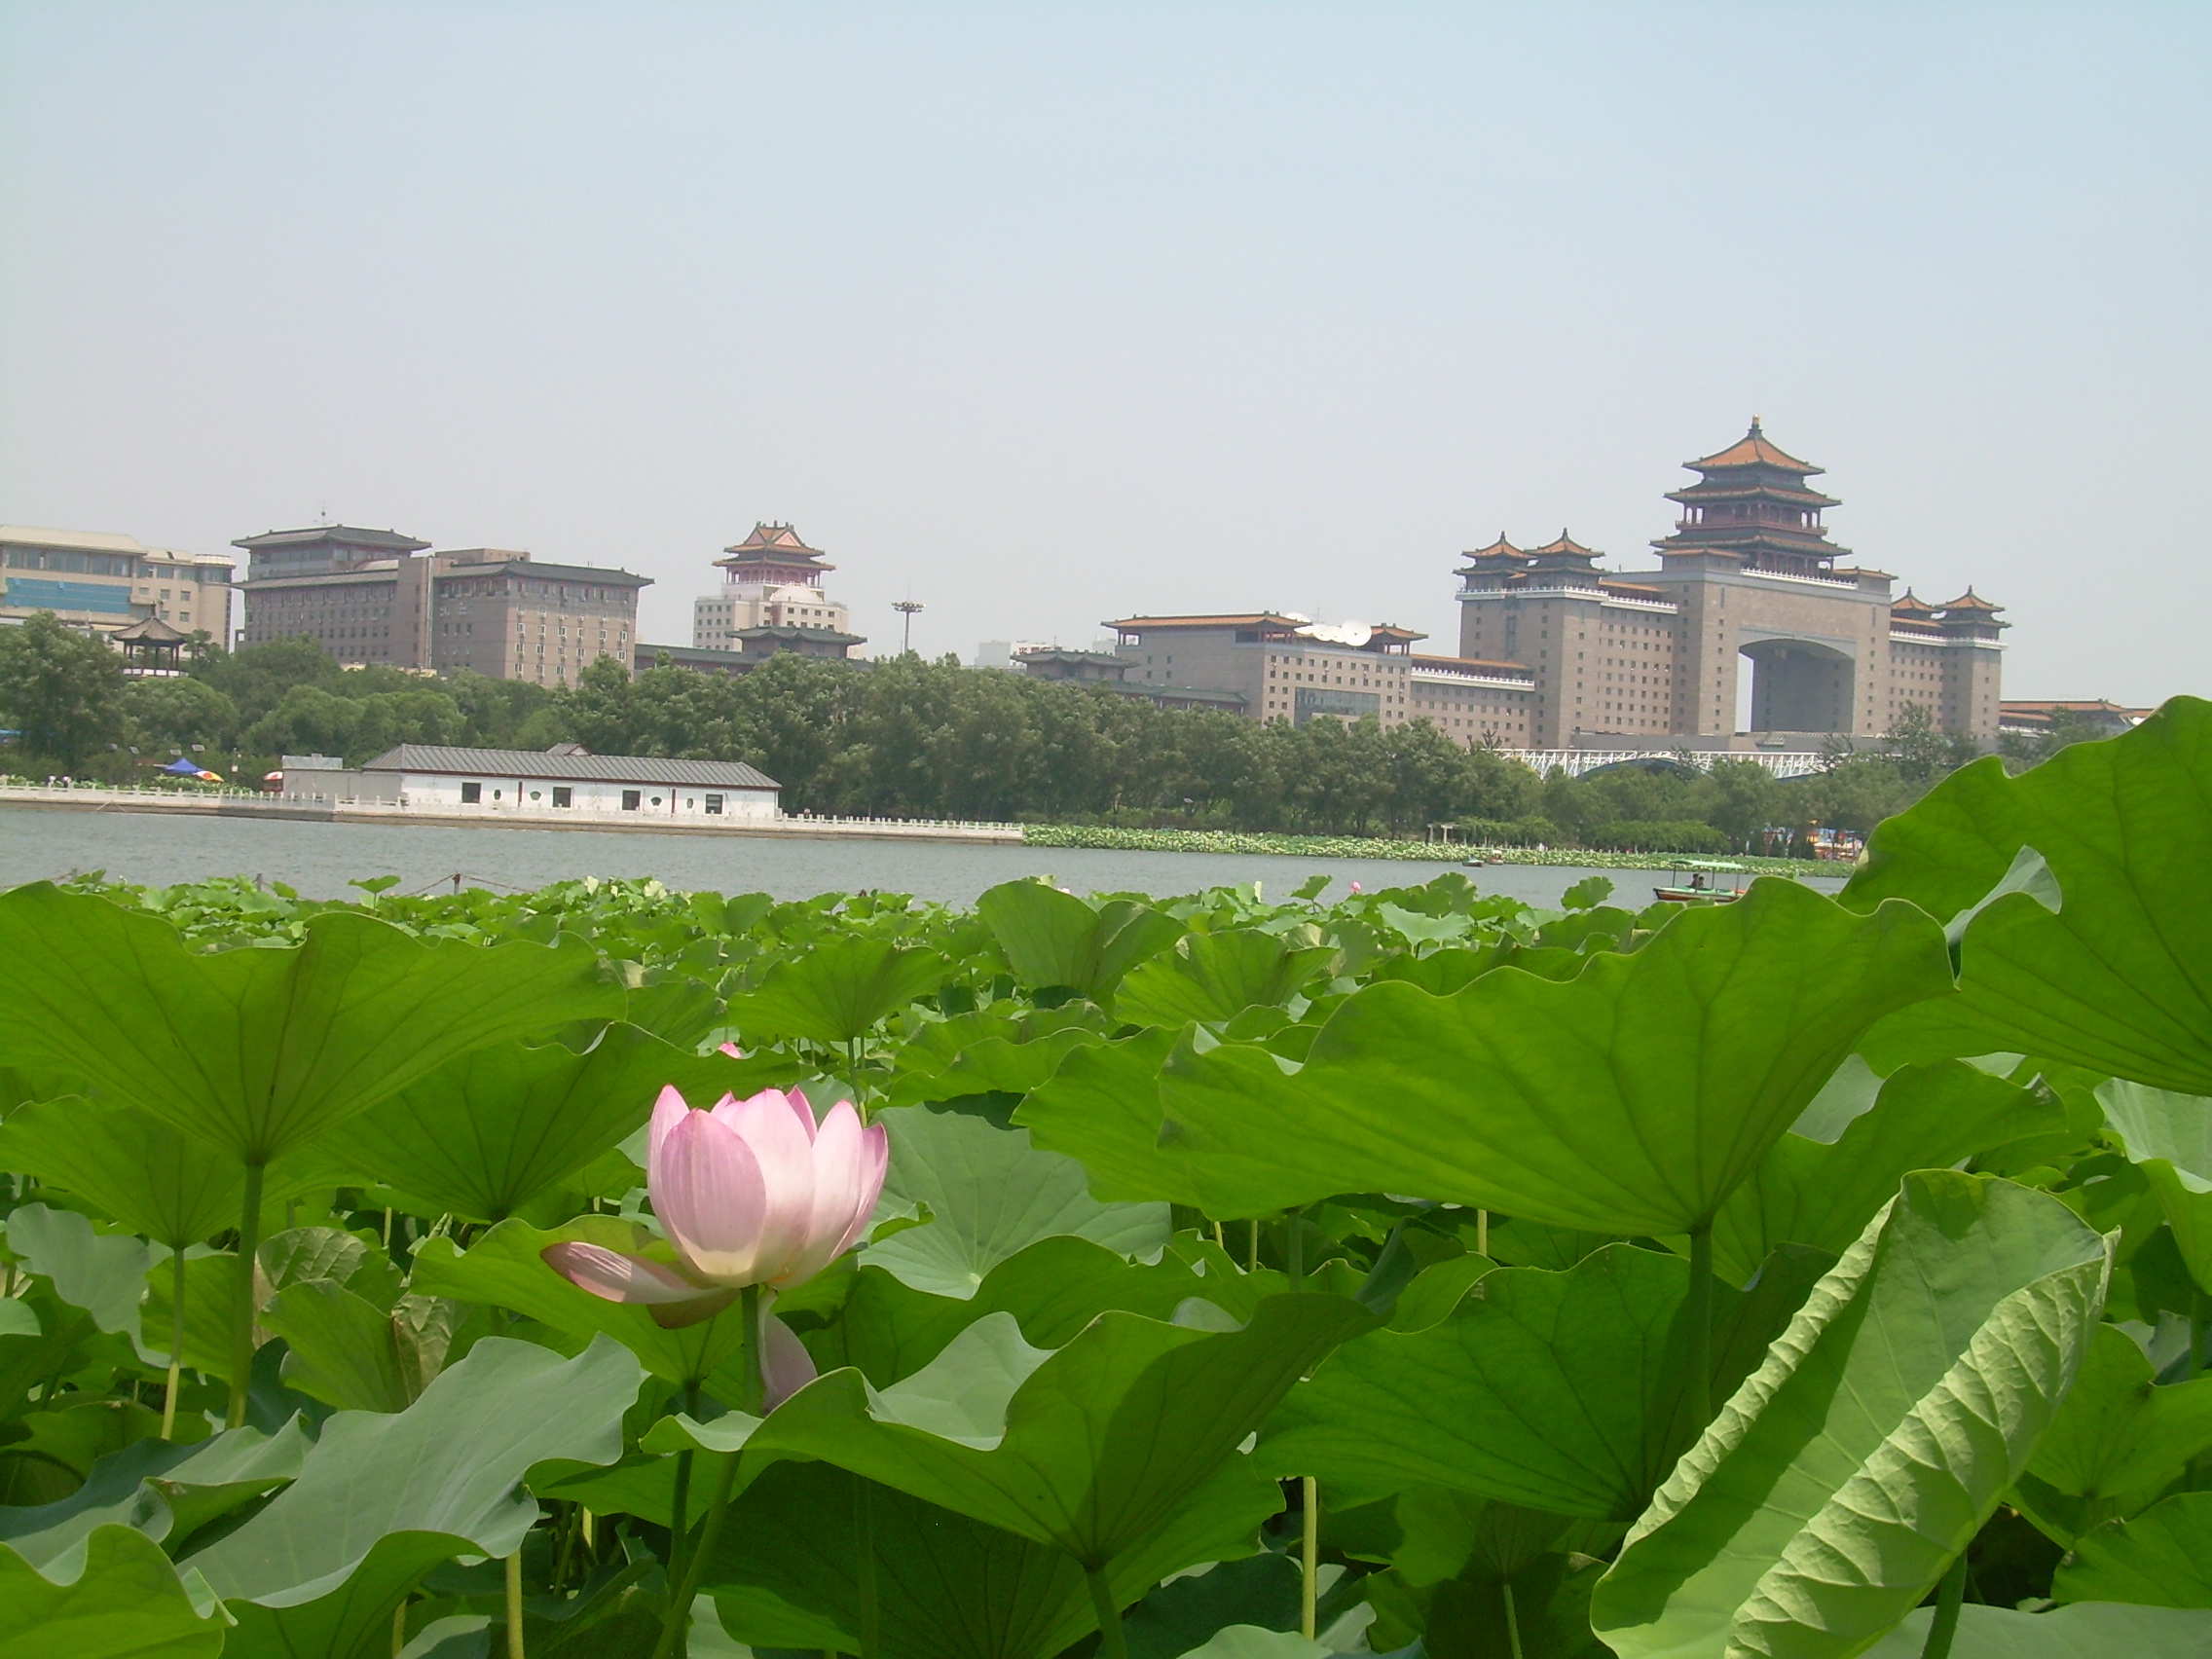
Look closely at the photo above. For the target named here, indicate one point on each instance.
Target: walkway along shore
(87, 798)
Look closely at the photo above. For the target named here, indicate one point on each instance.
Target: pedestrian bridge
(1794, 764)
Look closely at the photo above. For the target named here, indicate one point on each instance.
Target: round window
(656, 800)
(534, 795)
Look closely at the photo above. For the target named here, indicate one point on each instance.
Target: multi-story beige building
(106, 582)
(367, 597)
(1652, 660)
(771, 600)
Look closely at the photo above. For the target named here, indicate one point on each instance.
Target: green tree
(256, 678)
(1742, 797)
(62, 690)
(178, 714)
(309, 720)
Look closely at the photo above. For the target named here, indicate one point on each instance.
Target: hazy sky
(1048, 313)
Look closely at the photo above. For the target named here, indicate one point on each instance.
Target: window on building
(631, 799)
(471, 795)
(714, 804)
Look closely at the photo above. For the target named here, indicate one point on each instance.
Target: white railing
(252, 801)
(1793, 764)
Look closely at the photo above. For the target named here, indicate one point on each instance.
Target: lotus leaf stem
(1512, 1620)
(1697, 1317)
(241, 1302)
(1112, 1643)
(514, 1604)
(1949, 1594)
(177, 1340)
(1310, 1555)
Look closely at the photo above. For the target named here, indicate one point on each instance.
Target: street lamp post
(905, 609)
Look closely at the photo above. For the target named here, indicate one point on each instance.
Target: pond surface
(318, 860)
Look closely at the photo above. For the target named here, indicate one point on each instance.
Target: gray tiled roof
(582, 769)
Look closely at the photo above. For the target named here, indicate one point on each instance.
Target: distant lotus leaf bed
(615, 1272)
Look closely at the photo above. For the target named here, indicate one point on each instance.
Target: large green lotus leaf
(989, 1053)
(989, 1194)
(2169, 1137)
(786, 1573)
(1052, 1288)
(1217, 975)
(2161, 1558)
(486, 1132)
(165, 1491)
(1883, 1430)
(384, 1499)
(1102, 1108)
(504, 1268)
(1560, 1392)
(1630, 1099)
(2087, 1630)
(2118, 1443)
(129, 1165)
(126, 1603)
(835, 991)
(2119, 977)
(344, 1349)
(1924, 1118)
(1054, 940)
(104, 1273)
(256, 1049)
(1088, 1450)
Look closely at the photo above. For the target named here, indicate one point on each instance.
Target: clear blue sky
(1050, 313)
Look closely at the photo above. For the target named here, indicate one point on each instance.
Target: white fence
(224, 802)
(1794, 764)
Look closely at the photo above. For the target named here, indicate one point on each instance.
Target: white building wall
(442, 791)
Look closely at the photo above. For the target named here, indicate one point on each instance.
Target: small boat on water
(1700, 886)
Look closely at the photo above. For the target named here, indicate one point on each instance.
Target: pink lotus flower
(750, 1193)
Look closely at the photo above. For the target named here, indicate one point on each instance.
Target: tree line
(908, 738)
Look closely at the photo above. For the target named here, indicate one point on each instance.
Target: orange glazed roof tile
(1754, 450)
(1970, 601)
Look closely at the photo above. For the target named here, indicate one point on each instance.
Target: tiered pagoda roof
(774, 553)
(1751, 502)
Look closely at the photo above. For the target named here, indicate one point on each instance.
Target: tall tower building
(771, 580)
(1749, 576)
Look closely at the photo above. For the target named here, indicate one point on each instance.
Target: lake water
(318, 860)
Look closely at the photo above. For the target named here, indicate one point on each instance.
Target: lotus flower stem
(1949, 1594)
(177, 1340)
(871, 1646)
(1294, 1250)
(1310, 1555)
(1482, 1232)
(678, 1621)
(1112, 1643)
(514, 1604)
(1697, 1316)
(680, 1508)
(242, 1302)
(1252, 1248)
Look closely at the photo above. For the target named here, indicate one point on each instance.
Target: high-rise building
(771, 600)
(1652, 659)
(106, 582)
(368, 597)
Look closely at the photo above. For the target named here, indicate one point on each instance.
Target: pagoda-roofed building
(1748, 574)
(774, 553)
(771, 600)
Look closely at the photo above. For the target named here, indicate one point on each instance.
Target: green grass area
(1376, 847)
